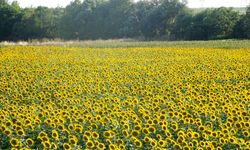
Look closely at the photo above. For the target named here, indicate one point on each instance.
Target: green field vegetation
(136, 43)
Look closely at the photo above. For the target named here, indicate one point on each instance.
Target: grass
(228, 44)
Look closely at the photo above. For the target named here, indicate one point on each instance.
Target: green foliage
(68, 24)
(247, 22)
(213, 24)
(221, 22)
(9, 15)
(112, 19)
(242, 28)
(182, 27)
(41, 22)
(161, 18)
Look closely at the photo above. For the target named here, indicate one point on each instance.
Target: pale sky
(191, 3)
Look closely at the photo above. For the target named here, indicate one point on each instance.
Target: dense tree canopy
(210, 24)
(106, 19)
(9, 15)
(242, 27)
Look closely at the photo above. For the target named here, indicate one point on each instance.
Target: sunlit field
(124, 98)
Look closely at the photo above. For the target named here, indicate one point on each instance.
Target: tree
(9, 15)
(182, 26)
(242, 28)
(118, 13)
(223, 21)
(38, 23)
(68, 24)
(161, 19)
(105, 19)
(24, 29)
(93, 19)
(214, 24)
(134, 24)
(90, 20)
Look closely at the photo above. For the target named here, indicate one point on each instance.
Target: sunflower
(186, 148)
(137, 128)
(42, 134)
(121, 147)
(120, 141)
(45, 138)
(90, 144)
(71, 127)
(7, 132)
(66, 146)
(29, 142)
(151, 129)
(108, 141)
(8, 123)
(162, 143)
(14, 142)
(100, 146)
(145, 130)
(126, 126)
(195, 135)
(55, 134)
(177, 147)
(20, 132)
(79, 129)
(219, 148)
(213, 117)
(214, 134)
(66, 132)
(95, 135)
(135, 133)
(107, 134)
(125, 133)
(168, 134)
(138, 143)
(112, 146)
(73, 141)
(201, 128)
(153, 143)
(147, 139)
(87, 133)
(174, 126)
(46, 145)
(180, 140)
(54, 146)
(86, 138)
(246, 133)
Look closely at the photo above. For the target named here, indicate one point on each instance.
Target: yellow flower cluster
(124, 98)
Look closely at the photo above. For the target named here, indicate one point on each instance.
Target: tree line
(109, 19)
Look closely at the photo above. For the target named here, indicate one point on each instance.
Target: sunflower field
(124, 98)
